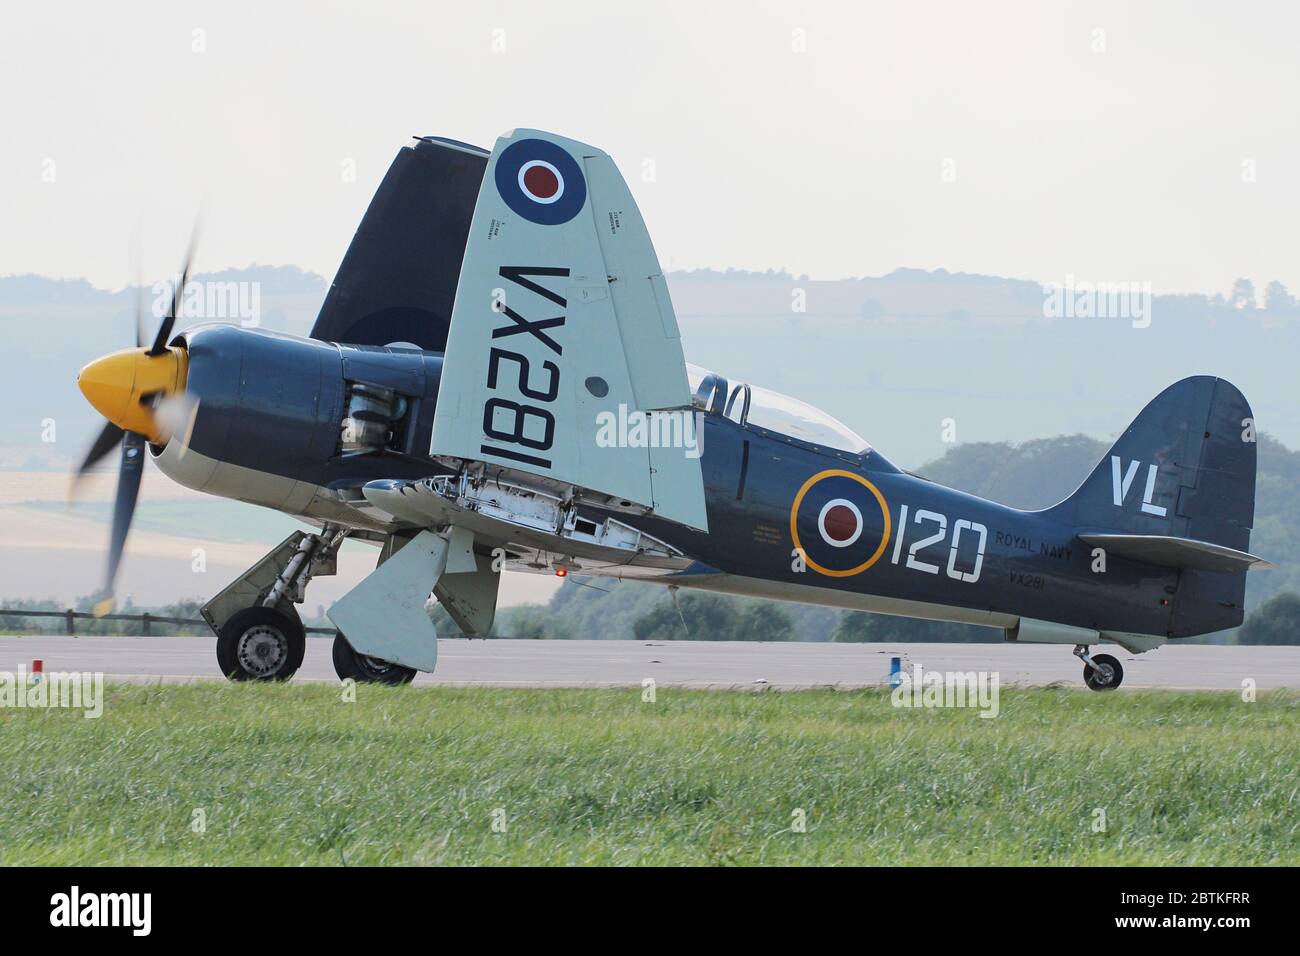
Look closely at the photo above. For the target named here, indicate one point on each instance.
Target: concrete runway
(698, 664)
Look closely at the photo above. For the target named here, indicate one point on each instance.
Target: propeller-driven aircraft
(496, 382)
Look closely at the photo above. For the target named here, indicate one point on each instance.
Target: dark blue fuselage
(1031, 564)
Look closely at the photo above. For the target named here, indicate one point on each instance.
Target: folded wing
(564, 359)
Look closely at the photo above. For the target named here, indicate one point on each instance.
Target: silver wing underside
(534, 530)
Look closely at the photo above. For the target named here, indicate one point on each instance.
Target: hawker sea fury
(496, 382)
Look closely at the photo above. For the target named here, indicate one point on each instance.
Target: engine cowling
(290, 423)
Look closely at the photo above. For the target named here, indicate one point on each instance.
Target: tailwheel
(365, 669)
(1102, 672)
(261, 643)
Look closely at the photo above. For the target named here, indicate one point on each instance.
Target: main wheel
(261, 643)
(365, 669)
(1107, 676)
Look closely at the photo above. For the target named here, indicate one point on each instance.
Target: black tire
(261, 643)
(367, 670)
(1112, 673)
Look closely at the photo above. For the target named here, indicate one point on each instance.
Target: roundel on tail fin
(540, 181)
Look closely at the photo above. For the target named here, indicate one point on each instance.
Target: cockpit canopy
(757, 407)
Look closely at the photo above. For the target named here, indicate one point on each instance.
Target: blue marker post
(895, 671)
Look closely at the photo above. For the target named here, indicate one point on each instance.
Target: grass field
(294, 775)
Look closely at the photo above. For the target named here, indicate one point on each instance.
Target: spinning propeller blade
(169, 320)
(141, 391)
(106, 441)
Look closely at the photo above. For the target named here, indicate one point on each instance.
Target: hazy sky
(1108, 141)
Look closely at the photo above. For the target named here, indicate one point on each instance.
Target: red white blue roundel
(839, 522)
(540, 181)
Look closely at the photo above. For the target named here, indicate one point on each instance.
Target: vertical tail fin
(1178, 490)
(1185, 468)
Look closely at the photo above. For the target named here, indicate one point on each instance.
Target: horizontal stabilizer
(1173, 552)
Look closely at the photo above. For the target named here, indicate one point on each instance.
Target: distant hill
(893, 356)
(54, 326)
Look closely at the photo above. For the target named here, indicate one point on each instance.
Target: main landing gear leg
(1100, 671)
(259, 633)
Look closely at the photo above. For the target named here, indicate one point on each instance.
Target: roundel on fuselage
(839, 521)
(540, 181)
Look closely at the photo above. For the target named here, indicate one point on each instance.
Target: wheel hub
(375, 664)
(261, 650)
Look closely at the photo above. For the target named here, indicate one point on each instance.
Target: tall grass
(295, 775)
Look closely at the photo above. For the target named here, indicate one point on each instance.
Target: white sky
(1119, 165)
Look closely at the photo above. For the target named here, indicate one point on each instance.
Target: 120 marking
(940, 522)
